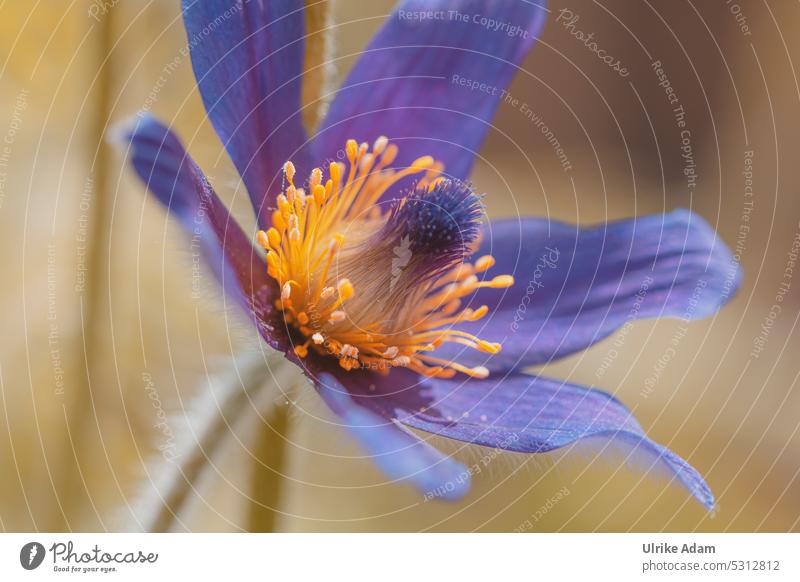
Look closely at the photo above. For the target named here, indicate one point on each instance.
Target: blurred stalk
(318, 68)
(74, 494)
(270, 456)
(219, 410)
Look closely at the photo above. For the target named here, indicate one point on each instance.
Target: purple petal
(248, 59)
(407, 84)
(575, 286)
(521, 413)
(399, 453)
(164, 166)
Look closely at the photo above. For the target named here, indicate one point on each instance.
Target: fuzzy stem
(217, 411)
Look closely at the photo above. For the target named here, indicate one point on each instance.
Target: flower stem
(219, 409)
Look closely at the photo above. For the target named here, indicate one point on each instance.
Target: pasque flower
(375, 269)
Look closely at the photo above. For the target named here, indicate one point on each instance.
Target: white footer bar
(406, 557)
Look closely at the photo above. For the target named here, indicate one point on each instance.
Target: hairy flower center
(379, 287)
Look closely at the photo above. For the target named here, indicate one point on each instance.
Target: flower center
(378, 287)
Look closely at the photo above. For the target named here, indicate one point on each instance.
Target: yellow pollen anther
(317, 338)
(422, 163)
(262, 239)
(351, 149)
(389, 155)
(380, 145)
(484, 263)
(349, 351)
(335, 171)
(502, 281)
(479, 313)
(366, 162)
(345, 289)
(315, 179)
(288, 169)
(274, 238)
(283, 205)
(481, 345)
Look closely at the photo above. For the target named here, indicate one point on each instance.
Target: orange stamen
(316, 252)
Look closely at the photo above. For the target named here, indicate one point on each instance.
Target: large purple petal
(399, 453)
(164, 166)
(575, 286)
(407, 85)
(248, 60)
(521, 413)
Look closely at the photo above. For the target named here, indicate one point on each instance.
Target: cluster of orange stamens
(338, 286)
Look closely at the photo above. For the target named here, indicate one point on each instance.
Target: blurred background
(110, 338)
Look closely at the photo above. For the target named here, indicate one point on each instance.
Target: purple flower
(380, 277)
